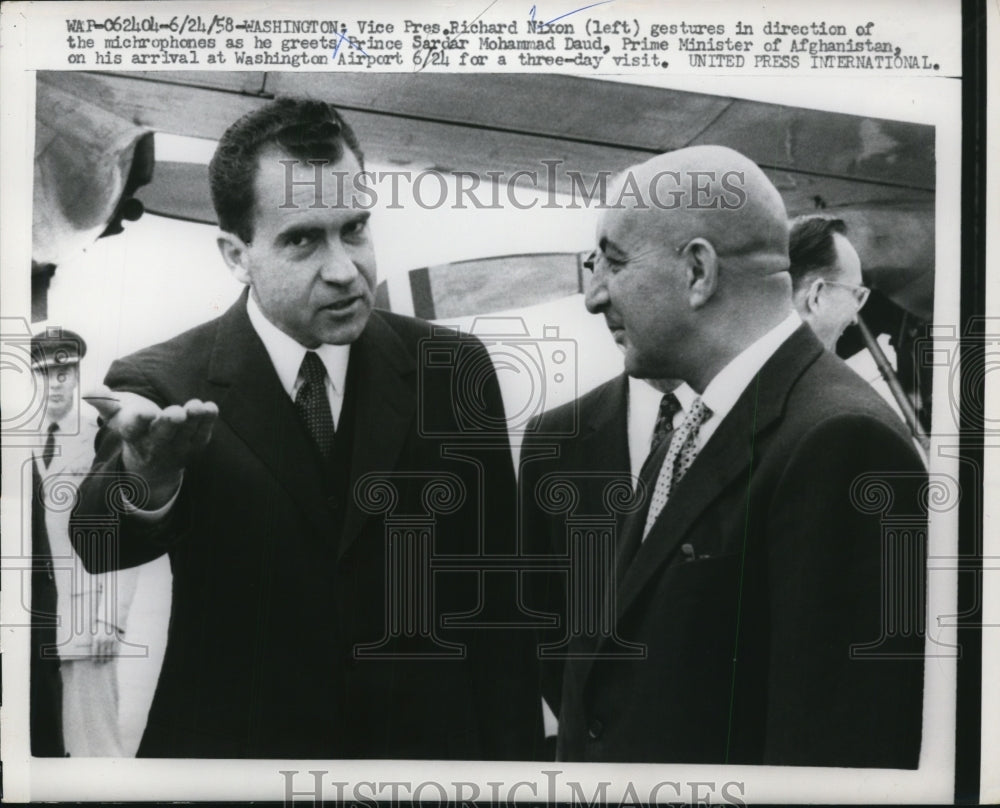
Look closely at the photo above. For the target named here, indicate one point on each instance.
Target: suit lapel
(254, 405)
(385, 406)
(728, 454)
(604, 437)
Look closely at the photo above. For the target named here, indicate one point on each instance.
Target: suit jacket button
(331, 503)
(596, 729)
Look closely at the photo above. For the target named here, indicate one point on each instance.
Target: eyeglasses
(859, 292)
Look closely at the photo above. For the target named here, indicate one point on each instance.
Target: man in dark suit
(595, 446)
(300, 465)
(758, 577)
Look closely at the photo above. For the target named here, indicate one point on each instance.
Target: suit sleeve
(845, 571)
(104, 531)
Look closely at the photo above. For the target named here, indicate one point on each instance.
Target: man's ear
(702, 271)
(812, 295)
(234, 253)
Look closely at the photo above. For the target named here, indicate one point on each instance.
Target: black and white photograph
(565, 403)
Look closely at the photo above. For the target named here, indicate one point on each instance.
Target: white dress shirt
(287, 355)
(724, 390)
(643, 410)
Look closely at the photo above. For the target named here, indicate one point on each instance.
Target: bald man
(754, 574)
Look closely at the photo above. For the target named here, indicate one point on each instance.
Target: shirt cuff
(154, 515)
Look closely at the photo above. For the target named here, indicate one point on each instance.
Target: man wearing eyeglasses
(826, 276)
(756, 578)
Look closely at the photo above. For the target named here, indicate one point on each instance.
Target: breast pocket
(712, 580)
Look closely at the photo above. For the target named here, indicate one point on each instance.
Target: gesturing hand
(157, 443)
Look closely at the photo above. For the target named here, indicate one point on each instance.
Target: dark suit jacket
(278, 575)
(46, 680)
(749, 645)
(582, 444)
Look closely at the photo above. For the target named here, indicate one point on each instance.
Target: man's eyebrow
(294, 228)
(605, 243)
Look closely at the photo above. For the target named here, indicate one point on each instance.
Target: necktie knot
(669, 407)
(312, 403)
(312, 369)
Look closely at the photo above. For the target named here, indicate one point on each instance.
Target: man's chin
(58, 413)
(645, 368)
(338, 331)
(635, 367)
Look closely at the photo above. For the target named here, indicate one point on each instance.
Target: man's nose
(596, 296)
(338, 266)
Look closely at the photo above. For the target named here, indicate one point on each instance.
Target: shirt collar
(643, 397)
(685, 395)
(729, 383)
(71, 417)
(287, 354)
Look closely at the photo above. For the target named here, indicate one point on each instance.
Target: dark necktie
(312, 403)
(669, 407)
(50, 445)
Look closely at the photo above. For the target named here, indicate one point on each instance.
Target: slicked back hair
(811, 247)
(304, 128)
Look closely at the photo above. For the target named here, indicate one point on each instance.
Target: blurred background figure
(91, 609)
(826, 276)
(46, 684)
(828, 294)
